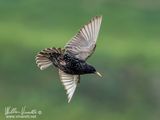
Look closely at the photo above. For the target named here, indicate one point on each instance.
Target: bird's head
(91, 69)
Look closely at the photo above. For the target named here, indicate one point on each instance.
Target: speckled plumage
(71, 65)
(71, 61)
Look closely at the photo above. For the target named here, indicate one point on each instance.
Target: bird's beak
(98, 74)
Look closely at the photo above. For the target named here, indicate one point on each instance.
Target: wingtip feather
(69, 82)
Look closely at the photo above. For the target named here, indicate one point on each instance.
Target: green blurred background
(127, 55)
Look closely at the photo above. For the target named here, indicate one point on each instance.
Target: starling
(71, 60)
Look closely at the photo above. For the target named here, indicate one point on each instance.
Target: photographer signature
(22, 111)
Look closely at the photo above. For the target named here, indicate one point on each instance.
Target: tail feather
(43, 60)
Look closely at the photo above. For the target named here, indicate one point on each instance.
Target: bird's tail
(46, 57)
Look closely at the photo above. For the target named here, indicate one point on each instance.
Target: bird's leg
(79, 79)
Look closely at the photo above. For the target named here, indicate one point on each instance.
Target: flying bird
(71, 60)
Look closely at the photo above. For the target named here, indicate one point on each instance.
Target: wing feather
(70, 83)
(82, 45)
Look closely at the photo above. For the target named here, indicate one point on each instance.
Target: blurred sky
(127, 55)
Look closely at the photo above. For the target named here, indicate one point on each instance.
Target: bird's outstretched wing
(70, 83)
(82, 45)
